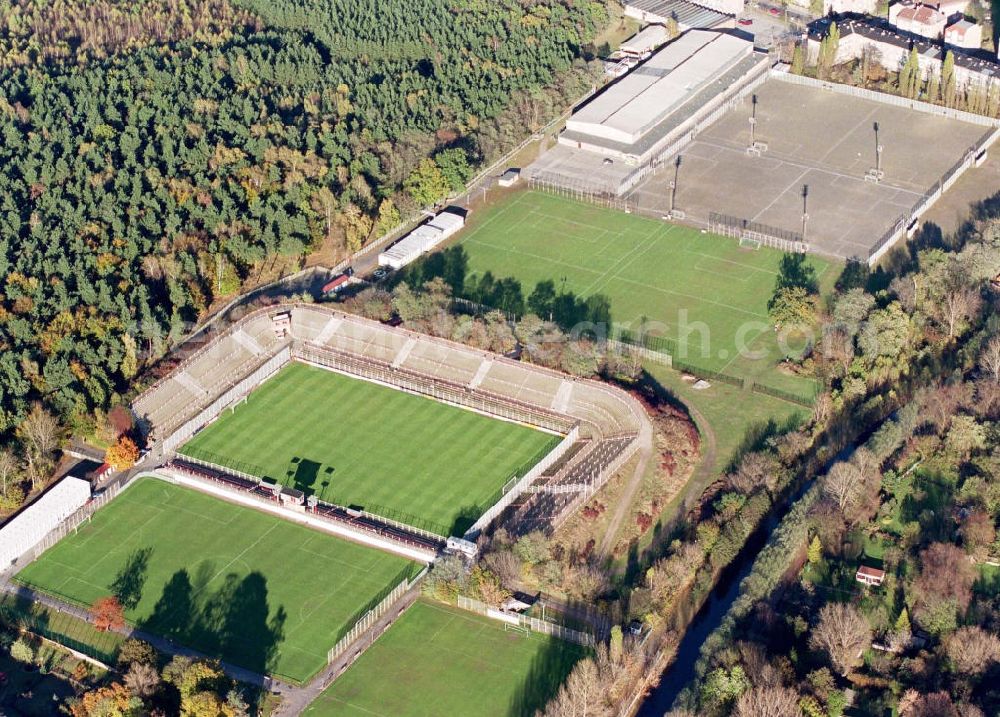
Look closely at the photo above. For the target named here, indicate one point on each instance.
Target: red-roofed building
(922, 20)
(964, 34)
(870, 576)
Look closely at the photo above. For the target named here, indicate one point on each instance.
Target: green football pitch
(705, 292)
(353, 442)
(228, 581)
(438, 660)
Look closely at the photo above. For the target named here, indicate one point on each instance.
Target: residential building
(964, 33)
(919, 19)
(891, 47)
(870, 576)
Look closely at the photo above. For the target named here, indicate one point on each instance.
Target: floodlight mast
(673, 184)
(805, 210)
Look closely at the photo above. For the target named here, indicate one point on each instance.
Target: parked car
(774, 11)
(380, 273)
(745, 21)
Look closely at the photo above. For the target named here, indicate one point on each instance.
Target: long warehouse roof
(640, 100)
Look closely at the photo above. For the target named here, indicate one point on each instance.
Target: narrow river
(682, 670)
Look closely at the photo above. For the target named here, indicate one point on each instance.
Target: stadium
(587, 428)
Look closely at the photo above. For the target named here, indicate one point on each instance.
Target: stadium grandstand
(607, 422)
(29, 527)
(611, 140)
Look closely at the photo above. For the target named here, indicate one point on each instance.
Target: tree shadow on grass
(130, 580)
(233, 622)
(549, 669)
(759, 434)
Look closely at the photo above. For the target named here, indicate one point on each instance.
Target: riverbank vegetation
(913, 508)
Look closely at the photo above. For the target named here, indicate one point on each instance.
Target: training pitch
(354, 442)
(669, 274)
(228, 581)
(820, 139)
(438, 660)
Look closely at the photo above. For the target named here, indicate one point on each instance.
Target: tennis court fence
(66, 630)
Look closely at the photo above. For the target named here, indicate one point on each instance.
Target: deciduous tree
(106, 613)
(773, 701)
(122, 455)
(843, 634)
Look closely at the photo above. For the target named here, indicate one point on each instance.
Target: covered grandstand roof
(27, 528)
(628, 109)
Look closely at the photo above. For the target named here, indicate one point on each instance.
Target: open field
(701, 290)
(248, 587)
(438, 660)
(822, 139)
(353, 442)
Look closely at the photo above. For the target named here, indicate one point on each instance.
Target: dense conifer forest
(158, 155)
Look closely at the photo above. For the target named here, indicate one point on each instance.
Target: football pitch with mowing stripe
(253, 589)
(354, 442)
(667, 273)
(439, 660)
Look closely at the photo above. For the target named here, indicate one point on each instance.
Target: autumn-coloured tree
(774, 701)
(989, 358)
(946, 578)
(120, 418)
(938, 704)
(109, 701)
(106, 613)
(972, 650)
(843, 634)
(122, 455)
(142, 680)
(978, 532)
(39, 433)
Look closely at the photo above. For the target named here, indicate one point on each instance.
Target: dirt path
(706, 470)
(621, 510)
(702, 476)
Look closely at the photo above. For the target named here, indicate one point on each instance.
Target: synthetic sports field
(358, 443)
(667, 273)
(230, 581)
(438, 660)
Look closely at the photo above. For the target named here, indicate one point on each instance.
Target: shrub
(22, 651)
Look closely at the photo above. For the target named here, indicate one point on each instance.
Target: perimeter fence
(380, 605)
(525, 622)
